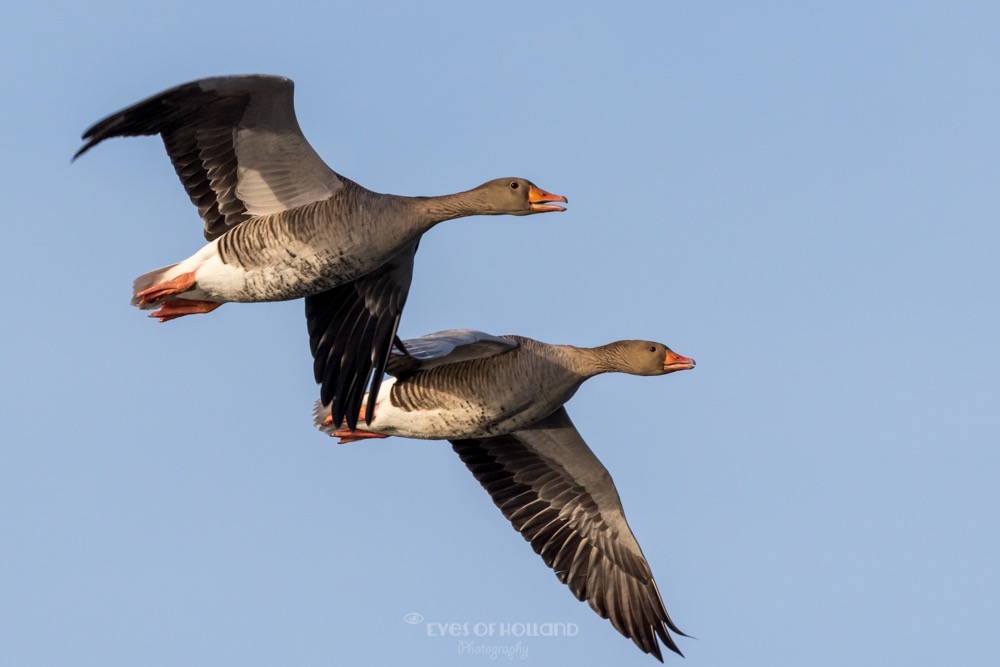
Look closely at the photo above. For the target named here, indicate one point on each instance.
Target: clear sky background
(805, 200)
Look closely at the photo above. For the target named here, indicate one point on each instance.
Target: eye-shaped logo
(413, 618)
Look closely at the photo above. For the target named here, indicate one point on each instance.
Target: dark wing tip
(93, 141)
(94, 135)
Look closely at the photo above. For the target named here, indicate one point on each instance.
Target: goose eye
(514, 185)
(652, 348)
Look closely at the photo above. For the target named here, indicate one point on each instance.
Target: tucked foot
(346, 435)
(345, 432)
(171, 309)
(178, 285)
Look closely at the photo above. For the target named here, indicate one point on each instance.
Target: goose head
(517, 196)
(644, 357)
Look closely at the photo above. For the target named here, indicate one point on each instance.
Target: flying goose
(281, 224)
(499, 400)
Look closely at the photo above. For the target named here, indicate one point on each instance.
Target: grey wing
(234, 142)
(560, 497)
(445, 347)
(351, 332)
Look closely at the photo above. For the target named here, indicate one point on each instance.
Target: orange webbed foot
(178, 285)
(171, 309)
(346, 435)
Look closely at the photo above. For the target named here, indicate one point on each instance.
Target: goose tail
(147, 280)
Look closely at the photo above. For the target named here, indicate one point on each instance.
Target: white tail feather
(147, 280)
(320, 413)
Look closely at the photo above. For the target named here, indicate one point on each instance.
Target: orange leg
(346, 435)
(171, 309)
(178, 285)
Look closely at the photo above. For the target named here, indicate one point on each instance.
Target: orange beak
(675, 362)
(539, 200)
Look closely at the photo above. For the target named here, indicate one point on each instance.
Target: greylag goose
(499, 400)
(280, 224)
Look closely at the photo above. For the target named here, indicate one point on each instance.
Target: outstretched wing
(234, 142)
(560, 497)
(351, 331)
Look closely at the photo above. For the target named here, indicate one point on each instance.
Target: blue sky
(803, 199)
